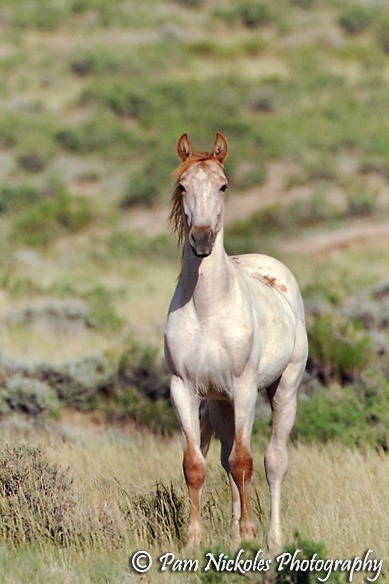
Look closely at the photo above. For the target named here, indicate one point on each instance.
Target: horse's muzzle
(201, 240)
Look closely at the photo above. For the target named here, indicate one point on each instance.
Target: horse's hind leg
(221, 415)
(283, 401)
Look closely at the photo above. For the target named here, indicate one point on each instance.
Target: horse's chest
(211, 352)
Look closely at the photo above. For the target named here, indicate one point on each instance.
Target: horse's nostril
(197, 234)
(192, 237)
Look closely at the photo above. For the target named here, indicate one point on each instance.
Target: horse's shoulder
(270, 272)
(264, 268)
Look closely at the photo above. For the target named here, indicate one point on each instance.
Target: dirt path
(363, 232)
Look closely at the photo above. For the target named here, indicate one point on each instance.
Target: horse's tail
(206, 429)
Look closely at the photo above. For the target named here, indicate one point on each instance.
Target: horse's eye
(182, 188)
(223, 188)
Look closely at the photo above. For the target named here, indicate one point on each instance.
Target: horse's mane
(176, 216)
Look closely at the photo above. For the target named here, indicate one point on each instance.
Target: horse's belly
(276, 352)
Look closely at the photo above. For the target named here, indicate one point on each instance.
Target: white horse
(235, 326)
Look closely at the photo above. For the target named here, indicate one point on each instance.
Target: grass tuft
(162, 514)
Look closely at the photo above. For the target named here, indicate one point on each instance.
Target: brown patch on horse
(241, 464)
(242, 468)
(272, 282)
(194, 468)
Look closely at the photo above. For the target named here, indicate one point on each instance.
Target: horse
(235, 326)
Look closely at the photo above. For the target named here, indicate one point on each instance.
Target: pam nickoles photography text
(242, 563)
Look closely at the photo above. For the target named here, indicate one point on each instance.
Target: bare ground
(366, 233)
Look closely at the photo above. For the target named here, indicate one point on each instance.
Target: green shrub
(77, 383)
(360, 202)
(39, 504)
(383, 35)
(338, 347)
(30, 396)
(14, 197)
(250, 13)
(44, 387)
(306, 4)
(122, 96)
(143, 190)
(137, 355)
(8, 130)
(245, 236)
(37, 500)
(253, 47)
(142, 393)
(80, 6)
(43, 15)
(115, 13)
(354, 417)
(56, 314)
(31, 131)
(130, 403)
(123, 246)
(51, 218)
(101, 60)
(103, 315)
(374, 393)
(190, 3)
(356, 19)
(22, 286)
(369, 57)
(254, 13)
(249, 174)
(34, 151)
(149, 180)
(307, 551)
(101, 133)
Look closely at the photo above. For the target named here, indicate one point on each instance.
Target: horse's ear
(220, 148)
(184, 147)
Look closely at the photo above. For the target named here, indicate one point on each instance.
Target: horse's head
(199, 196)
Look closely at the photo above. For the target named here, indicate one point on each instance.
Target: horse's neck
(207, 282)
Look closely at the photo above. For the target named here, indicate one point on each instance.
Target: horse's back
(274, 274)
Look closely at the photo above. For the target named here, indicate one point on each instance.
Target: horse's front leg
(240, 460)
(187, 403)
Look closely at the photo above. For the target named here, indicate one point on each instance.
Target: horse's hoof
(275, 542)
(194, 536)
(248, 531)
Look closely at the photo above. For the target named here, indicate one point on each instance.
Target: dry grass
(38, 343)
(332, 495)
(338, 496)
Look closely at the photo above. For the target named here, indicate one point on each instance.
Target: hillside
(93, 97)
(95, 94)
